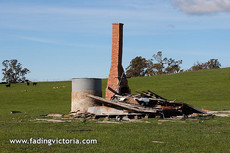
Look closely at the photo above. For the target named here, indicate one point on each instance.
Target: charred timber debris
(145, 104)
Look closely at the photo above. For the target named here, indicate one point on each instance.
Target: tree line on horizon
(139, 66)
(159, 65)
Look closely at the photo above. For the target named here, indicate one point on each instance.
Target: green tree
(150, 71)
(136, 67)
(211, 64)
(159, 65)
(13, 71)
(173, 66)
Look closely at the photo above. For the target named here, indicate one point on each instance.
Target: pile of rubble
(145, 104)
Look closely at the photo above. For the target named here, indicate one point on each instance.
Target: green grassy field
(207, 89)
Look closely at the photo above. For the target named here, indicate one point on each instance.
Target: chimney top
(117, 23)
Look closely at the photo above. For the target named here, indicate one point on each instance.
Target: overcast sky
(64, 39)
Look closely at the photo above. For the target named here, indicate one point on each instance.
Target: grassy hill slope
(209, 89)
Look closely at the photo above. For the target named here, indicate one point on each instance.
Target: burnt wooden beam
(113, 91)
(127, 106)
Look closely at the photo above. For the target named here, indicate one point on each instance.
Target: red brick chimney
(117, 79)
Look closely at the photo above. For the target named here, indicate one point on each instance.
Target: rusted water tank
(82, 87)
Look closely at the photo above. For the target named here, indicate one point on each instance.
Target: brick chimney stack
(117, 79)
